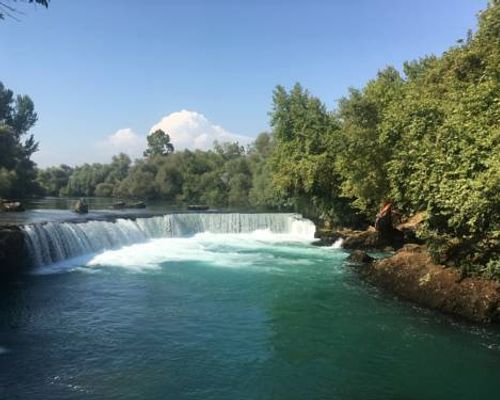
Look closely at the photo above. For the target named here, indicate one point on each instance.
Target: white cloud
(122, 141)
(187, 130)
(192, 130)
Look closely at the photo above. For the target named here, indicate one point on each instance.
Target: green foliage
(306, 143)
(448, 156)
(17, 117)
(54, 179)
(84, 179)
(262, 193)
(492, 269)
(104, 189)
(7, 180)
(119, 168)
(364, 148)
(222, 177)
(429, 140)
(158, 144)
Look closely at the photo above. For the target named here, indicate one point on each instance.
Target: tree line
(426, 138)
(222, 177)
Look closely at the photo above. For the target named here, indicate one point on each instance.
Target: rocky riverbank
(411, 274)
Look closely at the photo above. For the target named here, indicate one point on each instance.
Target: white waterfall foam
(338, 243)
(56, 241)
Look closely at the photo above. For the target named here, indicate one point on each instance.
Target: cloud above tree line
(187, 129)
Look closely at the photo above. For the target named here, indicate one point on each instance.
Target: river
(255, 314)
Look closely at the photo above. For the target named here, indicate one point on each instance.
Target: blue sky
(103, 73)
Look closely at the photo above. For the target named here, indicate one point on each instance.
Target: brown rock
(359, 257)
(81, 207)
(13, 206)
(411, 274)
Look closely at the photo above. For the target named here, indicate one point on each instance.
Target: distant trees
(17, 171)
(222, 177)
(85, 180)
(54, 179)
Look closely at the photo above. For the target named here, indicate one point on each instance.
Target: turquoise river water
(254, 315)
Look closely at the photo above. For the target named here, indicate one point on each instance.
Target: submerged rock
(137, 204)
(372, 239)
(360, 257)
(197, 207)
(119, 205)
(12, 206)
(81, 207)
(326, 237)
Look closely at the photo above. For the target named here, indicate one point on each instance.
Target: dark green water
(231, 317)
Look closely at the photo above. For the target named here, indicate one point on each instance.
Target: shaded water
(255, 315)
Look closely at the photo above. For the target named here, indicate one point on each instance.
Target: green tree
(306, 138)
(53, 180)
(104, 189)
(119, 168)
(158, 144)
(17, 117)
(363, 149)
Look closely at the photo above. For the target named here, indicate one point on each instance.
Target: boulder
(14, 206)
(360, 257)
(81, 207)
(119, 205)
(197, 207)
(326, 237)
(137, 204)
(361, 240)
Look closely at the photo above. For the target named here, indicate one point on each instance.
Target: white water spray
(55, 241)
(337, 244)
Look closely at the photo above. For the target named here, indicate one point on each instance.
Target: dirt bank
(411, 274)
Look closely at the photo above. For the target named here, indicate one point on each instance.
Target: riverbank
(410, 273)
(230, 317)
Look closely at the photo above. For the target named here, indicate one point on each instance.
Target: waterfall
(56, 241)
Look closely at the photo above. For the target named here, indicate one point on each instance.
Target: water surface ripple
(238, 316)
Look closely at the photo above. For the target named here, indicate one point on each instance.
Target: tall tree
(17, 117)
(158, 144)
(306, 138)
(363, 150)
